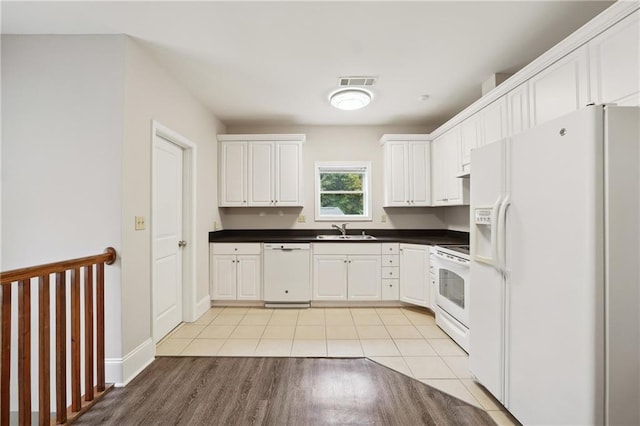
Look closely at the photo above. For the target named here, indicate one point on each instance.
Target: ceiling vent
(357, 81)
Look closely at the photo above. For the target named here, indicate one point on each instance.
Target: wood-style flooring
(277, 391)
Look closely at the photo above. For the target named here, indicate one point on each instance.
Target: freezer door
(486, 287)
(554, 269)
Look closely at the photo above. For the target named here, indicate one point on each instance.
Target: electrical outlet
(383, 218)
(301, 218)
(140, 223)
(215, 225)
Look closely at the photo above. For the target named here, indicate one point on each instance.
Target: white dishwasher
(287, 274)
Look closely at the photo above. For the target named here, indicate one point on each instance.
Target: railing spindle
(44, 353)
(5, 368)
(87, 371)
(100, 326)
(24, 352)
(76, 395)
(61, 347)
(88, 333)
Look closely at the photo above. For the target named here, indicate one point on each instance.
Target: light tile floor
(404, 339)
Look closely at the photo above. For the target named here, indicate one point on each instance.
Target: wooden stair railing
(79, 271)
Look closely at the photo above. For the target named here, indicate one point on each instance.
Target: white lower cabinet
(330, 277)
(414, 274)
(364, 277)
(346, 271)
(236, 272)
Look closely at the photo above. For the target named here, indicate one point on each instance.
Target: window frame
(344, 166)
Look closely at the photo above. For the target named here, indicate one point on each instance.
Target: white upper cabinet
(260, 170)
(447, 188)
(518, 110)
(494, 121)
(560, 88)
(233, 174)
(615, 63)
(288, 165)
(470, 138)
(406, 171)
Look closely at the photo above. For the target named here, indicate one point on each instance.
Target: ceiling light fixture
(350, 99)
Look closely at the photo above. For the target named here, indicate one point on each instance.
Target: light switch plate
(383, 218)
(140, 223)
(301, 218)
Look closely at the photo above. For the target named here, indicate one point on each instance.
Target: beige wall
(77, 113)
(152, 94)
(62, 109)
(335, 143)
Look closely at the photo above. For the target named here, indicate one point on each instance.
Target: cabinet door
(559, 89)
(396, 174)
(288, 182)
(452, 166)
(518, 109)
(223, 284)
(414, 274)
(233, 174)
(438, 174)
(494, 121)
(249, 277)
(615, 63)
(330, 277)
(390, 290)
(470, 138)
(261, 173)
(364, 281)
(418, 173)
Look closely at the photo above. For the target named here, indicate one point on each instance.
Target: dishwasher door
(287, 272)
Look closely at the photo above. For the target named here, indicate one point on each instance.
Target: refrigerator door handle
(495, 261)
(502, 230)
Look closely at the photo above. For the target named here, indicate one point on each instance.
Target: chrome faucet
(342, 228)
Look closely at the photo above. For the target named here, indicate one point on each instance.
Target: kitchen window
(343, 191)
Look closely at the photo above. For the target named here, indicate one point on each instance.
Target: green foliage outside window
(343, 192)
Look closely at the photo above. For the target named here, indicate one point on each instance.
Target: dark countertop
(413, 236)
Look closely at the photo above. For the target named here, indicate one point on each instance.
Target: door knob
(182, 243)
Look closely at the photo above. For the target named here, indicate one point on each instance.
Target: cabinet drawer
(390, 272)
(390, 248)
(390, 260)
(346, 248)
(232, 248)
(390, 290)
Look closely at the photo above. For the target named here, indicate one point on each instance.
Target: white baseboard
(121, 371)
(202, 306)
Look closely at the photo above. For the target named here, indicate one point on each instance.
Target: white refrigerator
(554, 271)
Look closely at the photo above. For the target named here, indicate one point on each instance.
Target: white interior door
(166, 235)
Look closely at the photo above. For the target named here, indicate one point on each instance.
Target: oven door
(453, 287)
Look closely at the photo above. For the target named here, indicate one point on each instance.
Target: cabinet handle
(345, 261)
(349, 261)
(233, 261)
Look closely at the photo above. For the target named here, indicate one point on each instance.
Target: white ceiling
(276, 62)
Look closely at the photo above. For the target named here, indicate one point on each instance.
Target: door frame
(189, 161)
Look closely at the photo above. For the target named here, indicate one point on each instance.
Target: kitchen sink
(345, 237)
